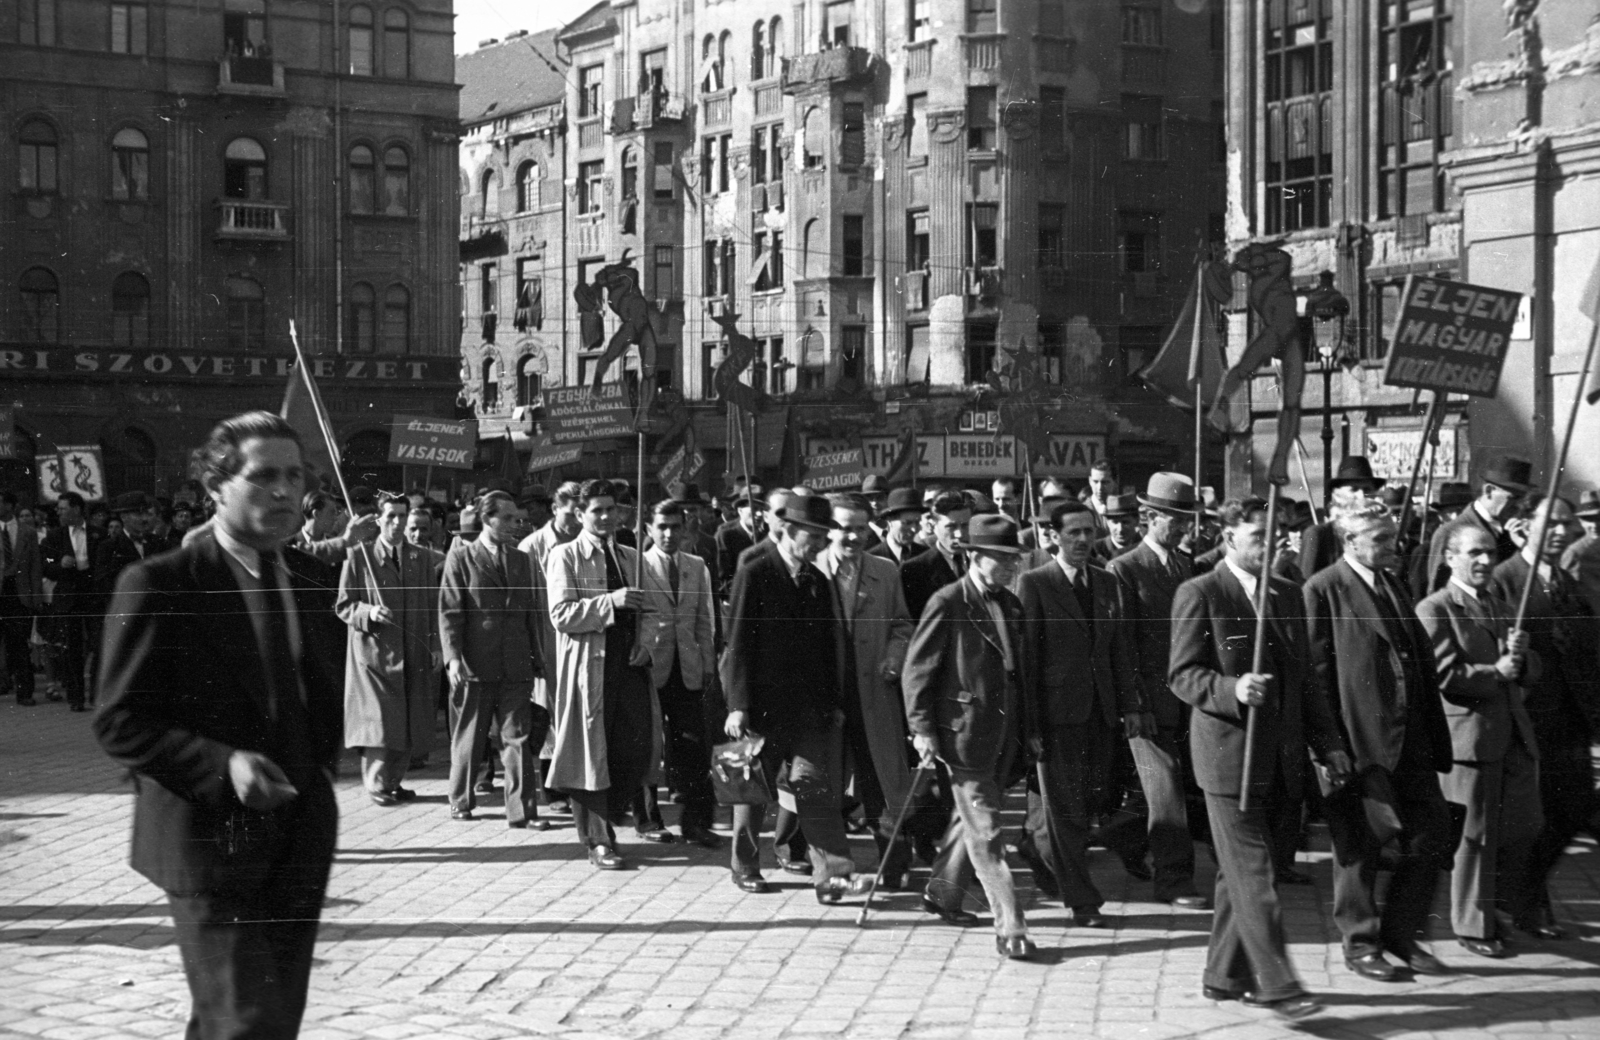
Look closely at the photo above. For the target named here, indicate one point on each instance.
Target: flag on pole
(1589, 304)
(301, 401)
(1192, 355)
(904, 468)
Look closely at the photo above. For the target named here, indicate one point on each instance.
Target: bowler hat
(874, 484)
(901, 500)
(130, 502)
(1454, 495)
(1588, 506)
(992, 532)
(1120, 505)
(1511, 474)
(688, 494)
(1170, 492)
(1354, 471)
(813, 511)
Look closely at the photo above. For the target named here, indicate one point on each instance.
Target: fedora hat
(1588, 506)
(130, 502)
(1121, 505)
(1355, 470)
(874, 484)
(470, 523)
(812, 511)
(901, 500)
(1511, 474)
(1168, 491)
(688, 494)
(992, 532)
(1453, 495)
(1296, 514)
(1394, 496)
(748, 495)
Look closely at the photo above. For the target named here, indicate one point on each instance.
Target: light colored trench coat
(391, 685)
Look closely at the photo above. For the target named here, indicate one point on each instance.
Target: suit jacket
(1581, 561)
(1373, 670)
(883, 552)
(678, 628)
(784, 655)
(1105, 552)
(1564, 636)
(26, 568)
(112, 556)
(75, 589)
(1081, 672)
(1483, 711)
(731, 540)
(955, 683)
(1438, 570)
(922, 576)
(1213, 643)
(181, 687)
(488, 619)
(1147, 588)
(1320, 548)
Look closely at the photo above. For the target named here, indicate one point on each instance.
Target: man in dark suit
(1121, 520)
(899, 518)
(1149, 575)
(1373, 661)
(927, 573)
(781, 674)
(1562, 631)
(67, 555)
(1320, 544)
(218, 697)
(734, 537)
(1482, 665)
(128, 546)
(965, 680)
(1212, 668)
(1505, 484)
(1084, 691)
(21, 596)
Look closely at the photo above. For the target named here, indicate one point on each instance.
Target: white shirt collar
(1246, 579)
(1160, 551)
(1468, 589)
(1494, 525)
(794, 563)
(1363, 571)
(248, 558)
(1070, 571)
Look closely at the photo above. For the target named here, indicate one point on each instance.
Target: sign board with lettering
(1393, 454)
(145, 366)
(1451, 337)
(547, 454)
(980, 455)
(878, 455)
(1070, 455)
(426, 441)
(8, 433)
(681, 466)
(580, 413)
(833, 471)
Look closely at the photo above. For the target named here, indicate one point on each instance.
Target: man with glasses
(1505, 484)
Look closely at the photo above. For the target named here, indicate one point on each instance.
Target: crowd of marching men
(894, 660)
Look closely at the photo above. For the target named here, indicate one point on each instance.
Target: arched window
(815, 138)
(396, 320)
(130, 310)
(528, 379)
(491, 193)
(809, 245)
(725, 58)
(41, 306)
(758, 51)
(710, 71)
(490, 398)
(396, 182)
(527, 187)
(360, 40)
(396, 44)
(36, 158)
(130, 165)
(363, 319)
(362, 185)
(244, 168)
(463, 183)
(775, 47)
(247, 314)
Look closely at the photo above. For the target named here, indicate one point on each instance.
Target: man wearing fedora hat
(1581, 559)
(965, 685)
(128, 546)
(735, 536)
(781, 675)
(1121, 518)
(1320, 544)
(899, 517)
(1505, 484)
(944, 562)
(697, 541)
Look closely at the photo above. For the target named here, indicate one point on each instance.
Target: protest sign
(581, 413)
(833, 471)
(426, 441)
(1451, 337)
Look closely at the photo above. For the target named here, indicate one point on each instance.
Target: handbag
(737, 775)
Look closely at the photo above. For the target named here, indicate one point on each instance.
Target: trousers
(475, 705)
(1248, 950)
(1503, 819)
(814, 758)
(974, 849)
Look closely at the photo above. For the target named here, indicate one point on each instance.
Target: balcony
(250, 77)
(1144, 69)
(717, 109)
(769, 99)
(842, 66)
(657, 108)
(919, 60)
(983, 53)
(248, 220)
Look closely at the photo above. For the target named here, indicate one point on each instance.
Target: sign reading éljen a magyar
(1451, 337)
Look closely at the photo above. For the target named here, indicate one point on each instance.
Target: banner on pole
(1451, 337)
(582, 413)
(50, 485)
(681, 467)
(74, 467)
(419, 439)
(833, 470)
(547, 454)
(1393, 454)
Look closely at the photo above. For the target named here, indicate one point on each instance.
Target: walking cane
(894, 836)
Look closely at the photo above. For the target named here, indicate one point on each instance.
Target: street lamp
(1327, 308)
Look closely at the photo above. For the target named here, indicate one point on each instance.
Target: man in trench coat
(389, 596)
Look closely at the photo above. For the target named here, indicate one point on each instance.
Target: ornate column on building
(186, 217)
(890, 318)
(947, 193)
(438, 309)
(315, 209)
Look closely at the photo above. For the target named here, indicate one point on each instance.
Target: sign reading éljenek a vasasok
(421, 440)
(1451, 337)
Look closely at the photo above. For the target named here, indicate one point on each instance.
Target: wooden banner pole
(1263, 584)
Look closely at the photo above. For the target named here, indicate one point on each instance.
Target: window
(1143, 139)
(919, 254)
(589, 91)
(775, 136)
(918, 354)
(1141, 24)
(724, 162)
(363, 186)
(653, 79)
(725, 57)
(1053, 121)
(813, 361)
(838, 23)
(630, 191)
(1053, 17)
(719, 257)
(244, 28)
(1052, 236)
(530, 296)
(527, 187)
(983, 242)
(758, 155)
(1139, 241)
(708, 164)
(491, 193)
(244, 170)
(710, 356)
(982, 118)
(1052, 351)
(777, 367)
(528, 380)
(37, 172)
(710, 65)
(758, 51)
(591, 186)
(983, 16)
(853, 139)
(130, 28)
(396, 44)
(811, 249)
(852, 356)
(41, 306)
(920, 26)
(363, 319)
(396, 182)
(36, 23)
(396, 320)
(247, 314)
(130, 165)
(767, 273)
(1414, 115)
(662, 180)
(665, 273)
(853, 254)
(360, 40)
(980, 350)
(774, 47)
(130, 310)
(815, 137)
(1385, 297)
(490, 398)
(488, 289)
(775, 260)
(917, 124)
(1297, 80)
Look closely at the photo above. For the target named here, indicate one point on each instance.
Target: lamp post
(1327, 309)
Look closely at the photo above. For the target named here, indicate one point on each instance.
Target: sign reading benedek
(426, 441)
(1451, 337)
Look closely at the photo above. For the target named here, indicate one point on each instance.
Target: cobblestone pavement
(453, 930)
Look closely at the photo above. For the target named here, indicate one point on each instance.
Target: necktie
(5, 547)
(1080, 589)
(672, 575)
(613, 572)
(283, 687)
(847, 589)
(1002, 628)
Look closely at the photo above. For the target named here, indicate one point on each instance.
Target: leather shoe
(701, 836)
(1372, 966)
(483, 788)
(1290, 1009)
(833, 889)
(461, 815)
(604, 858)
(1421, 962)
(1292, 877)
(755, 884)
(956, 916)
(404, 794)
(1492, 948)
(1191, 902)
(1218, 993)
(925, 849)
(1088, 917)
(895, 882)
(1545, 931)
(1016, 947)
(1137, 869)
(659, 835)
(794, 866)
(531, 824)
(384, 798)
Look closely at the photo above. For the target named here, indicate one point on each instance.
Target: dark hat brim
(1013, 550)
(1167, 505)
